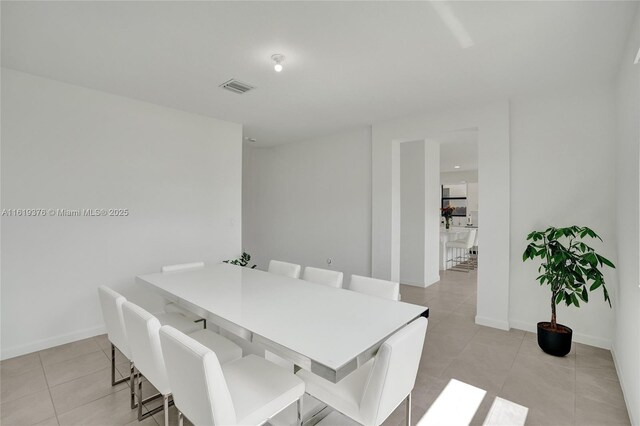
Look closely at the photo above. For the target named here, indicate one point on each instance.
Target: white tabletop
(325, 330)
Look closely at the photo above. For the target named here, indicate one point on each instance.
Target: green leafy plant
(568, 265)
(241, 261)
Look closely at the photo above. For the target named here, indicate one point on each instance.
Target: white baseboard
(413, 283)
(623, 385)
(432, 280)
(577, 337)
(51, 342)
(425, 284)
(491, 322)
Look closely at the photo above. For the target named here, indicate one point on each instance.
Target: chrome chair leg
(132, 383)
(180, 418)
(165, 403)
(139, 398)
(408, 410)
(113, 368)
(137, 377)
(299, 409)
(140, 402)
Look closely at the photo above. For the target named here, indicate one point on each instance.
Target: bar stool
(461, 248)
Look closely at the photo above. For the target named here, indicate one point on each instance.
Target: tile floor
(70, 384)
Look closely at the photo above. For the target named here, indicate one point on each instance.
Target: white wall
(412, 199)
(562, 162)
(493, 152)
(68, 147)
(458, 176)
(432, 201)
(626, 344)
(309, 201)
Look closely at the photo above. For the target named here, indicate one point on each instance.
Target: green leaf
(558, 298)
(574, 299)
(605, 261)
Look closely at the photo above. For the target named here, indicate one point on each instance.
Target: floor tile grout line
(512, 364)
(27, 394)
(80, 377)
(88, 402)
(55, 412)
(69, 359)
(92, 401)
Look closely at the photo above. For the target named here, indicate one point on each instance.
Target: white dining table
(327, 331)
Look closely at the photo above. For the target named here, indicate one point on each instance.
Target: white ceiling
(458, 148)
(348, 63)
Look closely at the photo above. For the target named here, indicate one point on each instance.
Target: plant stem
(553, 311)
(553, 293)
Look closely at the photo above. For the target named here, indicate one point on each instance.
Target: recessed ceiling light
(456, 167)
(278, 58)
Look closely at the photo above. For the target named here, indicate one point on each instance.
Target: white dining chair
(286, 269)
(458, 252)
(323, 276)
(372, 392)
(247, 391)
(111, 303)
(172, 307)
(375, 287)
(142, 331)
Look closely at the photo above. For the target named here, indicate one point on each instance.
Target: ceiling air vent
(236, 86)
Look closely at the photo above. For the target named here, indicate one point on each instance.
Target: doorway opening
(439, 172)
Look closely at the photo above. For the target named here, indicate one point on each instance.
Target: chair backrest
(323, 276)
(471, 237)
(182, 266)
(375, 287)
(199, 388)
(284, 268)
(111, 303)
(394, 372)
(144, 340)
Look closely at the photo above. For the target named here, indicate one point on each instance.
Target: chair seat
(337, 419)
(345, 395)
(224, 348)
(259, 388)
(179, 322)
(457, 244)
(173, 308)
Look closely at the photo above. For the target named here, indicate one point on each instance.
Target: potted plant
(569, 267)
(241, 261)
(447, 213)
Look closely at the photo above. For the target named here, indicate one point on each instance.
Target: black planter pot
(554, 342)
